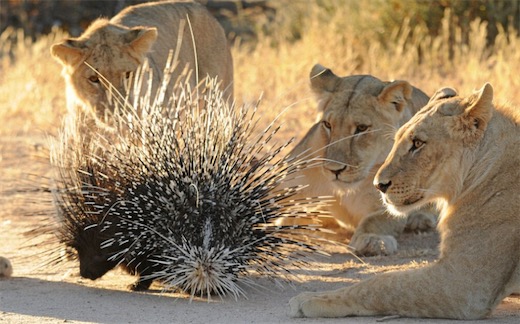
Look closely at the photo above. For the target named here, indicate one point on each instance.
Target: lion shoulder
(187, 27)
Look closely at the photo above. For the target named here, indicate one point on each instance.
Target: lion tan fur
(116, 47)
(464, 154)
(359, 115)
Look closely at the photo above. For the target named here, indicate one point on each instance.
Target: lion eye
(326, 124)
(93, 79)
(128, 75)
(416, 144)
(361, 128)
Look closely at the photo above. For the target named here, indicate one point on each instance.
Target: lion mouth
(412, 201)
(350, 182)
(402, 202)
(347, 177)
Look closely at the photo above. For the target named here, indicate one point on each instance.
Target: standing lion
(110, 51)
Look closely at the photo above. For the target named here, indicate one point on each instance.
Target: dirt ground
(40, 294)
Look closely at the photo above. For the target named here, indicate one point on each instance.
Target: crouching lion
(359, 115)
(115, 48)
(464, 154)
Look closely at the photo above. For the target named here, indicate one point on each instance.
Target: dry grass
(277, 66)
(281, 72)
(32, 95)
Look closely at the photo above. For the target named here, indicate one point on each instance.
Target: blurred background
(244, 18)
(275, 43)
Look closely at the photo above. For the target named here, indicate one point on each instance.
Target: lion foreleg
(414, 293)
(377, 233)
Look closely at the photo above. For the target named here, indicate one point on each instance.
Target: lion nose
(383, 187)
(338, 171)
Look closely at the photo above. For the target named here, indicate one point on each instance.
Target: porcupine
(188, 197)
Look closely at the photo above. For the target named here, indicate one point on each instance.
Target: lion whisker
(392, 129)
(431, 191)
(306, 154)
(333, 161)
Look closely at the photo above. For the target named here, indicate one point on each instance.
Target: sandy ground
(37, 294)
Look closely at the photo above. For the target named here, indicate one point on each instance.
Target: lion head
(432, 152)
(359, 115)
(111, 52)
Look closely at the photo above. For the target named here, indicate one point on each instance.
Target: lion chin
(349, 181)
(404, 209)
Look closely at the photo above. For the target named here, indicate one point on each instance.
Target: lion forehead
(357, 105)
(111, 58)
(355, 91)
(102, 31)
(365, 84)
(429, 124)
(107, 47)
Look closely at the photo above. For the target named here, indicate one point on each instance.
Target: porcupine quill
(184, 191)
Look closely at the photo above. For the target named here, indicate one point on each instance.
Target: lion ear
(443, 93)
(323, 79)
(396, 93)
(479, 108)
(69, 52)
(323, 84)
(141, 39)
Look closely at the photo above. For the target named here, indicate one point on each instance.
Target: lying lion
(109, 51)
(359, 115)
(464, 154)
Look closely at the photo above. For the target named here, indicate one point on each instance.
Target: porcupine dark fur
(84, 193)
(88, 184)
(188, 197)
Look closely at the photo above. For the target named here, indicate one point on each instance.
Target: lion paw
(372, 244)
(296, 305)
(323, 304)
(307, 304)
(421, 221)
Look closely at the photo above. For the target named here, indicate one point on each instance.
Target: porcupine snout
(94, 266)
(89, 273)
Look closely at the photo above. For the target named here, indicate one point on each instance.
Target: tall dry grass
(341, 35)
(32, 95)
(337, 39)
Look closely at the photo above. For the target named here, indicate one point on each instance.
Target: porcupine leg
(141, 285)
(140, 271)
